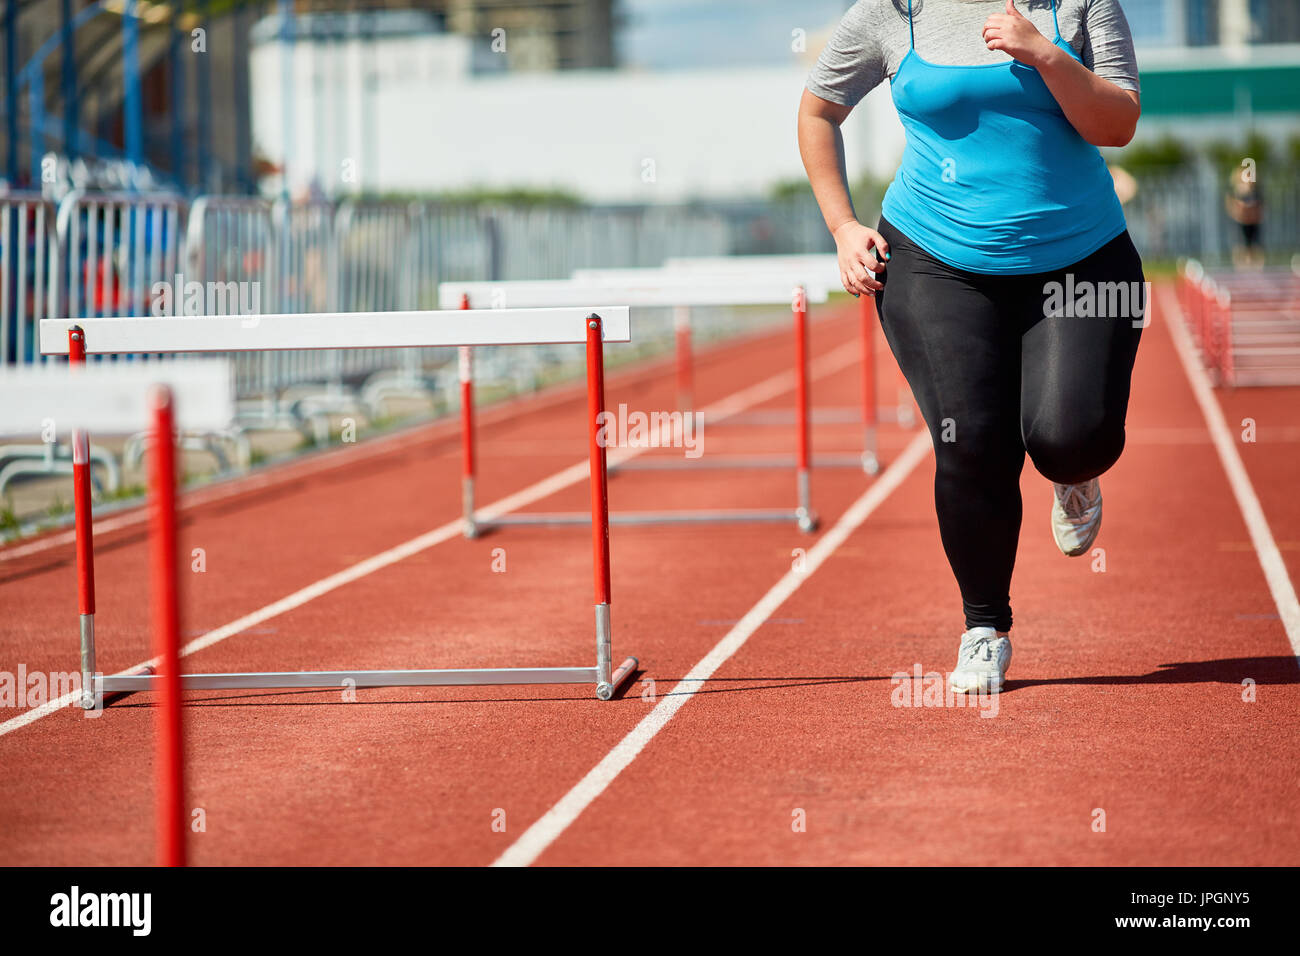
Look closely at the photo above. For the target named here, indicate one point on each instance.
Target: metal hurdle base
(320, 680)
(826, 415)
(865, 461)
(806, 520)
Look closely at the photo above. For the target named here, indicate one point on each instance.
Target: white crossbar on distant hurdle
(755, 288)
(807, 272)
(651, 288)
(590, 325)
(120, 399)
(822, 268)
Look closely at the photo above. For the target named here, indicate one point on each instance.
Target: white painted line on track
(556, 820)
(1270, 558)
(837, 359)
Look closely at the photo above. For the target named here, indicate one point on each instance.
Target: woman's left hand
(1013, 34)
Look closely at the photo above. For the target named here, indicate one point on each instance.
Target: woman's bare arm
(1101, 112)
(821, 145)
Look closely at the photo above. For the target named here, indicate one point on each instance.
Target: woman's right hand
(856, 247)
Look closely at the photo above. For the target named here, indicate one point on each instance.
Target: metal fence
(114, 254)
(28, 262)
(103, 253)
(1183, 215)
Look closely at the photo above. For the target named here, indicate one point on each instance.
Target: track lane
(1126, 696)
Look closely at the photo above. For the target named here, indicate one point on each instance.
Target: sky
(670, 34)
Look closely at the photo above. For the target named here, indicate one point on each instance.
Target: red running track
(1126, 692)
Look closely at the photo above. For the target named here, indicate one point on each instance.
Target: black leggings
(999, 366)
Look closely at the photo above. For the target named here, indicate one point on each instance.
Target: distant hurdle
(824, 269)
(646, 288)
(79, 338)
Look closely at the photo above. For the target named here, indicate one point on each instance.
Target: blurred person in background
(1244, 206)
(1002, 195)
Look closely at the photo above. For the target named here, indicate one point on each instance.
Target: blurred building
(544, 34)
(156, 92)
(1198, 23)
(395, 105)
(1217, 68)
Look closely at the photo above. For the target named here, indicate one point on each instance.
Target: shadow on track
(1230, 670)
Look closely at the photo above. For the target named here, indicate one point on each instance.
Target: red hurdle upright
(84, 525)
(685, 370)
(169, 770)
(466, 368)
(870, 414)
(804, 514)
(605, 683)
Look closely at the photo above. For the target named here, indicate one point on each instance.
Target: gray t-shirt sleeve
(873, 37)
(853, 62)
(1108, 44)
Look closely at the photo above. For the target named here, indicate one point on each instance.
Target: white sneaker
(1076, 516)
(982, 662)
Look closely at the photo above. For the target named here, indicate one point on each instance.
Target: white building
(415, 110)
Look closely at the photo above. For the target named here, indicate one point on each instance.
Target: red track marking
(1273, 415)
(1225, 442)
(1271, 458)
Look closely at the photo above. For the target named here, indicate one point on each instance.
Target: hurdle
(654, 291)
(1246, 325)
(823, 268)
(121, 398)
(748, 290)
(421, 329)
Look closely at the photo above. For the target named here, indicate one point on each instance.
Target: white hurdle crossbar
(649, 288)
(591, 326)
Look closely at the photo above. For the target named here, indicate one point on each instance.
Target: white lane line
(1270, 558)
(837, 359)
(556, 820)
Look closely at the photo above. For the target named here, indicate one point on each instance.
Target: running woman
(1001, 208)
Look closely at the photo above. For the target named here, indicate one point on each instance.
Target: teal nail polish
(886, 256)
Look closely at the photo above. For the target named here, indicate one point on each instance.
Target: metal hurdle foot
(641, 518)
(607, 682)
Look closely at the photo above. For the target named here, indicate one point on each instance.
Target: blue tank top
(994, 179)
